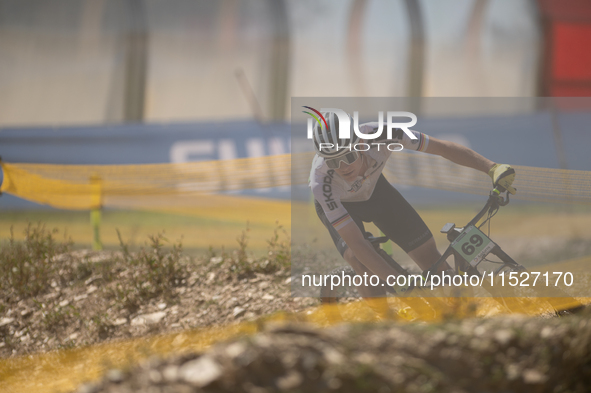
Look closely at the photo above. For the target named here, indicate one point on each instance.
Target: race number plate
(473, 245)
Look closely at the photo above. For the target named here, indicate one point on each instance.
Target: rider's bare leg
(361, 269)
(426, 255)
(375, 296)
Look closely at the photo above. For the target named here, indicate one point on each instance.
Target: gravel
(501, 354)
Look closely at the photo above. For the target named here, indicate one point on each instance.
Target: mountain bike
(470, 248)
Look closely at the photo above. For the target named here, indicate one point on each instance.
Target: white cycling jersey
(330, 189)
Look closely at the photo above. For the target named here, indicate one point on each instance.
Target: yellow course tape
(63, 371)
(189, 184)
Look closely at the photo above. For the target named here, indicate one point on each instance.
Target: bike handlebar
(498, 190)
(495, 200)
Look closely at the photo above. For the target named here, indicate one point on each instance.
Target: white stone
(479, 331)
(120, 321)
(155, 376)
(171, 373)
(91, 279)
(533, 376)
(6, 321)
(155, 317)
(238, 311)
(504, 336)
(546, 332)
(115, 375)
(236, 349)
(80, 297)
(148, 319)
(290, 381)
(200, 372)
(335, 357)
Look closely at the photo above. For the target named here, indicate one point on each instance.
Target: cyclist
(350, 189)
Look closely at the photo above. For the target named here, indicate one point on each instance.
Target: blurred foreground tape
(195, 184)
(63, 371)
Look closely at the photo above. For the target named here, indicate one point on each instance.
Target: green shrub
(278, 255)
(58, 316)
(155, 272)
(279, 248)
(29, 267)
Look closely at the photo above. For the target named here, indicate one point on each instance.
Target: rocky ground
(102, 303)
(54, 298)
(501, 354)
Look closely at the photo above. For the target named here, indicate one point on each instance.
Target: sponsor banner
(144, 144)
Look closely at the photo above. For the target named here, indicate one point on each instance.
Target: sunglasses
(349, 158)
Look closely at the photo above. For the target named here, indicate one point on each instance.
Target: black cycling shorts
(390, 212)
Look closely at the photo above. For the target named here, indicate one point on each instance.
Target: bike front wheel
(535, 299)
(413, 307)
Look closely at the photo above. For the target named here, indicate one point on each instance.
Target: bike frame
(554, 296)
(495, 200)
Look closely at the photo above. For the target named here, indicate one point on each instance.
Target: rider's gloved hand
(503, 175)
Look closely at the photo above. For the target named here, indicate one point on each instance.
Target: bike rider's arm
(365, 252)
(501, 174)
(459, 154)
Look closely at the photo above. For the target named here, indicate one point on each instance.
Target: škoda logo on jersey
(392, 128)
